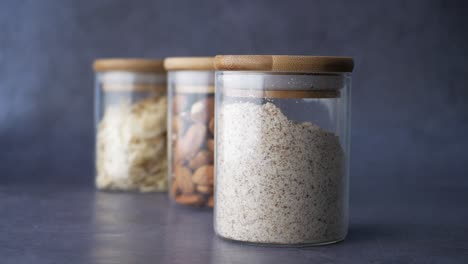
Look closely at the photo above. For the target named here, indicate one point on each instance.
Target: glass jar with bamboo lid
(191, 130)
(131, 124)
(282, 148)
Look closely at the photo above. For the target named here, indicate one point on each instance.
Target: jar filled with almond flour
(282, 149)
(191, 130)
(131, 122)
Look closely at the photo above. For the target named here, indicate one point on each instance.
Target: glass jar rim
(280, 85)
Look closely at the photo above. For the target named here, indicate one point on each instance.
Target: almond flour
(277, 181)
(131, 146)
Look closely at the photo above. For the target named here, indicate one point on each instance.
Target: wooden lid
(189, 63)
(132, 65)
(283, 63)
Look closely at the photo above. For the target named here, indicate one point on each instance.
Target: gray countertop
(65, 224)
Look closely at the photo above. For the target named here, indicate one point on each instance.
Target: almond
(211, 202)
(202, 110)
(210, 145)
(202, 158)
(190, 144)
(179, 123)
(189, 199)
(203, 175)
(183, 179)
(206, 189)
(211, 125)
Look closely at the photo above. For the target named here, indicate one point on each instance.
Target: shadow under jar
(191, 130)
(131, 125)
(282, 149)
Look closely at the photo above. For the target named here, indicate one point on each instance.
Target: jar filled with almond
(191, 130)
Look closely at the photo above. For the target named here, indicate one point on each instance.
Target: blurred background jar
(282, 148)
(191, 130)
(131, 125)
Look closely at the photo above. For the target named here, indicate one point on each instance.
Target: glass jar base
(129, 190)
(284, 245)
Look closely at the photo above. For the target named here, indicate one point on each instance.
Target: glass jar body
(131, 127)
(282, 152)
(191, 130)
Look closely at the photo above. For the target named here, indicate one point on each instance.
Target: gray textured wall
(410, 119)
